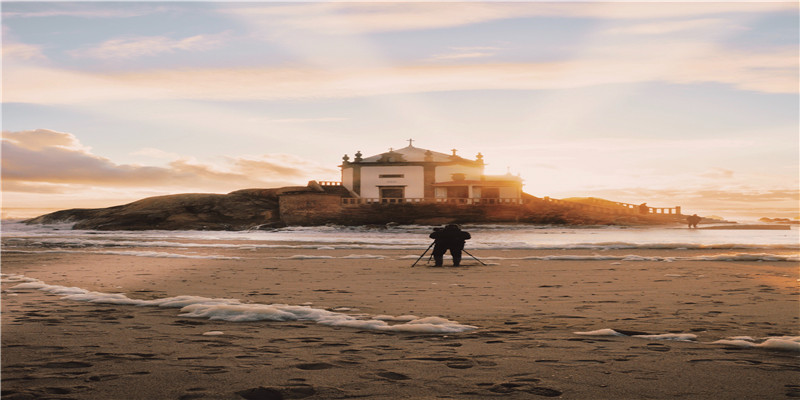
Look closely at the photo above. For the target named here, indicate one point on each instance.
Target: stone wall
(309, 208)
(428, 214)
(320, 208)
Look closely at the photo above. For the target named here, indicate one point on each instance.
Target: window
(490, 193)
(458, 192)
(391, 176)
(392, 192)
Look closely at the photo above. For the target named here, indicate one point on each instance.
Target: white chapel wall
(412, 178)
(347, 178)
(445, 173)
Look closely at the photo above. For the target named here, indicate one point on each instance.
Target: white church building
(417, 175)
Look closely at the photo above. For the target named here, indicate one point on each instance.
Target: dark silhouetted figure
(644, 209)
(693, 220)
(450, 238)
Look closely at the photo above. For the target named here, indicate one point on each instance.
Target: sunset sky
(690, 104)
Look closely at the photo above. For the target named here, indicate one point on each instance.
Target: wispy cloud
(22, 52)
(142, 46)
(669, 27)
(82, 10)
(718, 173)
(773, 72)
(461, 53)
(47, 161)
(359, 18)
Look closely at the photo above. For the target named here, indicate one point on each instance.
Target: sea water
(411, 237)
(484, 236)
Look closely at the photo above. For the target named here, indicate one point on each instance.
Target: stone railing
(455, 201)
(329, 183)
(607, 206)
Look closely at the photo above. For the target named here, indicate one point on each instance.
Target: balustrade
(438, 200)
(614, 207)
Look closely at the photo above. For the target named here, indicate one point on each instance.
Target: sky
(673, 104)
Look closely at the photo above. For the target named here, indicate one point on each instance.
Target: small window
(391, 176)
(392, 193)
(490, 193)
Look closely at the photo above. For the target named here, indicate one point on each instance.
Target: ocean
(19, 236)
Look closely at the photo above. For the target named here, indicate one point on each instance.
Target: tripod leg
(476, 258)
(422, 255)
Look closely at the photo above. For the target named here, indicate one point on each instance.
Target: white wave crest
(155, 254)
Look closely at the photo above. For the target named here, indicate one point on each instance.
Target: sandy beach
(539, 326)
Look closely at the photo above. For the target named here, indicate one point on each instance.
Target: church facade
(413, 174)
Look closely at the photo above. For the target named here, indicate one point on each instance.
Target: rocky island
(315, 204)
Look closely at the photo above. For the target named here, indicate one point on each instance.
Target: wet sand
(526, 311)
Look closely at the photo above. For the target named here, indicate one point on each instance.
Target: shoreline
(527, 313)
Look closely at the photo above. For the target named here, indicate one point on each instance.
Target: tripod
(429, 259)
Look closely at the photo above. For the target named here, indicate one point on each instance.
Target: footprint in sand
(657, 347)
(511, 387)
(314, 366)
(67, 364)
(289, 392)
(393, 376)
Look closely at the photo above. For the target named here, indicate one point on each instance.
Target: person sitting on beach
(693, 220)
(450, 238)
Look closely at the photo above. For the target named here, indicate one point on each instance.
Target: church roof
(413, 154)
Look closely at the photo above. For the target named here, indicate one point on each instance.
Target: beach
(207, 317)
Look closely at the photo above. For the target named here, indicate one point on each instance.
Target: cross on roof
(410, 141)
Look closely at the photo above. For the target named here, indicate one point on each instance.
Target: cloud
(44, 161)
(460, 53)
(666, 27)
(40, 139)
(22, 52)
(142, 46)
(80, 10)
(718, 173)
(361, 18)
(769, 72)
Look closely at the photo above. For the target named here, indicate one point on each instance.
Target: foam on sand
(783, 343)
(235, 311)
(683, 337)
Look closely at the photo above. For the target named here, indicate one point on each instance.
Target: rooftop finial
(410, 142)
(454, 151)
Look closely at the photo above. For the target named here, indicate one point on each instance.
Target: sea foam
(782, 343)
(234, 311)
